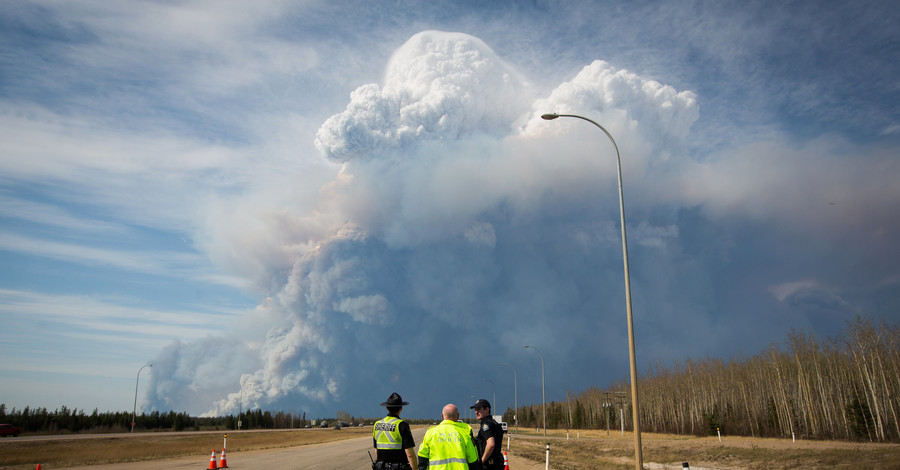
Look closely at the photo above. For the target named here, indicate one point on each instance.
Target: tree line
(63, 419)
(73, 420)
(844, 388)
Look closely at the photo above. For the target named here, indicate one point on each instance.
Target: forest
(70, 420)
(844, 388)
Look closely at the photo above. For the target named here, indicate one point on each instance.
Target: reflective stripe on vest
(434, 463)
(387, 433)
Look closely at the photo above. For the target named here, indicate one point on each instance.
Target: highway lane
(345, 454)
(337, 455)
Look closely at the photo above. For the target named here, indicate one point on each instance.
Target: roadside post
(547, 465)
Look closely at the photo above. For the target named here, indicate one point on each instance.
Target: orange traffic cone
(222, 462)
(505, 461)
(212, 461)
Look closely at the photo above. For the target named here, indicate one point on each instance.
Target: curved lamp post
(543, 396)
(638, 457)
(515, 394)
(494, 396)
(134, 410)
(241, 407)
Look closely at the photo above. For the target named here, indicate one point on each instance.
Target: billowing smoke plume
(459, 229)
(438, 87)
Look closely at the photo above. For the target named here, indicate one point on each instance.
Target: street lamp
(241, 407)
(494, 397)
(134, 410)
(543, 396)
(515, 394)
(638, 457)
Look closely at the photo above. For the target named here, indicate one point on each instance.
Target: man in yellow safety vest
(394, 444)
(448, 446)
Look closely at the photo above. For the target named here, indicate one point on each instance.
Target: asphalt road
(337, 455)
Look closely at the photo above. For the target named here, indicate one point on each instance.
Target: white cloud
(825, 183)
(196, 46)
(83, 337)
(144, 178)
(663, 114)
(438, 86)
(46, 214)
(809, 293)
(186, 265)
(111, 316)
(151, 263)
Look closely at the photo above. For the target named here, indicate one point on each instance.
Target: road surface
(337, 455)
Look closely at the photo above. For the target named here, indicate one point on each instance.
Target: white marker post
(547, 466)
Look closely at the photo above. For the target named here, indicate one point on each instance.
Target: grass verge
(96, 450)
(596, 450)
(582, 450)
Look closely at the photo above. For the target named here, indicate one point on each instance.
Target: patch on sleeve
(485, 427)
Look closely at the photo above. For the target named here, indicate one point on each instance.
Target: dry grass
(590, 450)
(596, 450)
(95, 450)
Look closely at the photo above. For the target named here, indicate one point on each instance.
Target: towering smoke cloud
(456, 229)
(438, 87)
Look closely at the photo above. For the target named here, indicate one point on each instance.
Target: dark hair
(393, 409)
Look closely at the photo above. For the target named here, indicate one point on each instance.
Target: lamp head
(549, 116)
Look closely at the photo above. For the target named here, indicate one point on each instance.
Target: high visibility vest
(387, 433)
(448, 446)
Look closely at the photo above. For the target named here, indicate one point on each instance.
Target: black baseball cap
(481, 403)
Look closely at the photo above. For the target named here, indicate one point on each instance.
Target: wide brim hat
(394, 400)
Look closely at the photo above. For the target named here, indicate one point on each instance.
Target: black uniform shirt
(490, 428)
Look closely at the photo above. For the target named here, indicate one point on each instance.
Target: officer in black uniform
(490, 437)
(393, 440)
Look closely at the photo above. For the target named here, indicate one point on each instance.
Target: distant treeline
(63, 420)
(845, 388)
(73, 420)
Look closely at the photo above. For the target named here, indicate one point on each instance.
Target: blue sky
(309, 205)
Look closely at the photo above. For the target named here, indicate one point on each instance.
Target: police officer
(394, 444)
(448, 446)
(490, 437)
